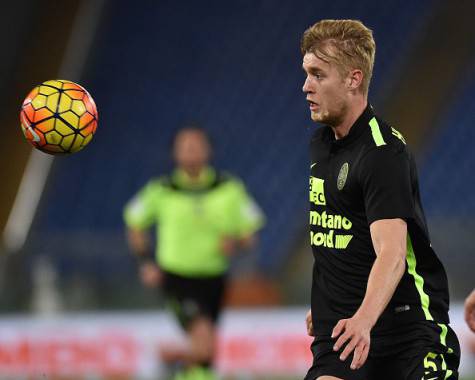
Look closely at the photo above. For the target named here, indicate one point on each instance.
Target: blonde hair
(349, 44)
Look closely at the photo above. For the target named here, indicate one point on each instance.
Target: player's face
(191, 150)
(326, 90)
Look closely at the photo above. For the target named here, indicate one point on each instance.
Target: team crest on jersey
(340, 182)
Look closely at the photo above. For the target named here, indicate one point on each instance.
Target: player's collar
(356, 129)
(206, 178)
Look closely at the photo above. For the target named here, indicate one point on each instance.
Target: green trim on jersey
(443, 334)
(443, 337)
(429, 360)
(418, 279)
(398, 134)
(192, 218)
(376, 132)
(204, 180)
(443, 341)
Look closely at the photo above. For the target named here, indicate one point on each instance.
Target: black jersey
(366, 176)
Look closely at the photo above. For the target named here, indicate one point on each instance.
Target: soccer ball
(59, 117)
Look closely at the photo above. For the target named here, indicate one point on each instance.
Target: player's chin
(316, 116)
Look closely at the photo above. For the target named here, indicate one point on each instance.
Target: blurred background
(235, 68)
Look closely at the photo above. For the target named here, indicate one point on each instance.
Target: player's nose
(306, 86)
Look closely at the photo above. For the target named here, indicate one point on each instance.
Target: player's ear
(354, 79)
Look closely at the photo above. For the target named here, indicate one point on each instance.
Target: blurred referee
(202, 217)
(379, 294)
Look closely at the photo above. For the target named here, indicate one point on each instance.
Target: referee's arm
(141, 246)
(139, 243)
(389, 238)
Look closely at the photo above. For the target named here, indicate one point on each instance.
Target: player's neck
(193, 173)
(353, 113)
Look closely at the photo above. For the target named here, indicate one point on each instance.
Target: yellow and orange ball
(59, 117)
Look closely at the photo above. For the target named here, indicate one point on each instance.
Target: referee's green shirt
(192, 218)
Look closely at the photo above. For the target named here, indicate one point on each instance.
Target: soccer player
(470, 311)
(379, 293)
(202, 216)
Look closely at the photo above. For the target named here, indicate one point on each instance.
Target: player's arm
(248, 241)
(141, 246)
(389, 240)
(139, 243)
(231, 245)
(139, 215)
(385, 178)
(309, 323)
(470, 310)
(248, 219)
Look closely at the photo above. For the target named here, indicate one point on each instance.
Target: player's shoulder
(159, 183)
(391, 135)
(383, 139)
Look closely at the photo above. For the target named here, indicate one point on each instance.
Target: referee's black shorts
(422, 350)
(193, 297)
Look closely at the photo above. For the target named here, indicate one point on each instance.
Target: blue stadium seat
(447, 170)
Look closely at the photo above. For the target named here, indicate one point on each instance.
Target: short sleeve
(248, 217)
(142, 211)
(386, 182)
